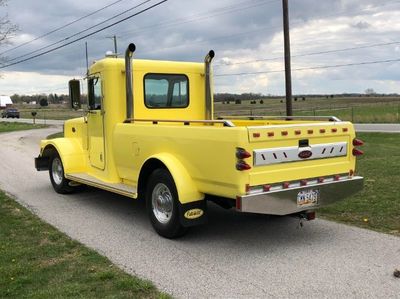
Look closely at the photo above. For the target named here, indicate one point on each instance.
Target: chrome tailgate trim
(291, 154)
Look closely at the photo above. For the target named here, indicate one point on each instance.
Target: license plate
(308, 198)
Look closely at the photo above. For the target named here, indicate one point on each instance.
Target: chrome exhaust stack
(207, 61)
(129, 85)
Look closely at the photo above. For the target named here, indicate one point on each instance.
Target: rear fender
(187, 189)
(70, 151)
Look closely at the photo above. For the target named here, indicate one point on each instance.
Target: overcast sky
(246, 35)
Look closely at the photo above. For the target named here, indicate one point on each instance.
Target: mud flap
(193, 213)
(42, 163)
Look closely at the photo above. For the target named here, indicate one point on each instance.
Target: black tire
(57, 178)
(165, 217)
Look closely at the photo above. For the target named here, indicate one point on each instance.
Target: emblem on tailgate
(305, 154)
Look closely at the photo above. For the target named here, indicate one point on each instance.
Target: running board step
(87, 179)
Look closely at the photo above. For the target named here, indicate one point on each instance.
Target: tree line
(51, 98)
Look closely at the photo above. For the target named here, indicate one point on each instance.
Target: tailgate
(291, 153)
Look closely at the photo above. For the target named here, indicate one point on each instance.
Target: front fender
(70, 151)
(187, 189)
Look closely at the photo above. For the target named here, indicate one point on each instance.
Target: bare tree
(7, 29)
(370, 91)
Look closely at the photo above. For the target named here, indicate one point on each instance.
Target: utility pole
(288, 69)
(87, 59)
(114, 37)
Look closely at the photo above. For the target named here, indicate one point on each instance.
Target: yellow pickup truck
(149, 132)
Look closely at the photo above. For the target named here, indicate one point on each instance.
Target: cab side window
(95, 93)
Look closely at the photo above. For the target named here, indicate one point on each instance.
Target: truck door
(95, 121)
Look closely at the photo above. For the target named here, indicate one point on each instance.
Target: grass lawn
(12, 126)
(55, 135)
(37, 261)
(51, 113)
(377, 207)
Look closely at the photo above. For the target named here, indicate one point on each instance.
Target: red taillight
(303, 182)
(337, 177)
(357, 152)
(241, 165)
(285, 133)
(297, 132)
(238, 203)
(247, 187)
(271, 134)
(322, 131)
(310, 216)
(286, 185)
(321, 180)
(310, 131)
(242, 153)
(266, 188)
(334, 130)
(256, 135)
(357, 142)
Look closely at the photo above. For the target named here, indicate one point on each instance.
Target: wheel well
(49, 151)
(145, 172)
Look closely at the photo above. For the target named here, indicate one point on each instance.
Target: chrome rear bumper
(284, 202)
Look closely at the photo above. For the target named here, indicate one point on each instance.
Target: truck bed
(208, 149)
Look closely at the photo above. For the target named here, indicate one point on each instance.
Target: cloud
(239, 31)
(33, 83)
(361, 25)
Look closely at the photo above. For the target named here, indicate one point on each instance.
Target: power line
(311, 68)
(311, 54)
(78, 33)
(220, 38)
(208, 15)
(222, 10)
(62, 27)
(85, 36)
(198, 17)
(244, 33)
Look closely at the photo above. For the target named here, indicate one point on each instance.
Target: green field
(12, 126)
(356, 109)
(37, 261)
(51, 113)
(377, 207)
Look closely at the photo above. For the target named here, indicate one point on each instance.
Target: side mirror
(75, 94)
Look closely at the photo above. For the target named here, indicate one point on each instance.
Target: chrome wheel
(162, 203)
(57, 171)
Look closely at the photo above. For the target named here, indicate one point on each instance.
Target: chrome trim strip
(277, 155)
(119, 188)
(256, 117)
(226, 123)
(307, 125)
(284, 202)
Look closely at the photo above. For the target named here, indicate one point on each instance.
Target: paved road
(234, 256)
(388, 128)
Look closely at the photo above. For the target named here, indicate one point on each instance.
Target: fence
(387, 113)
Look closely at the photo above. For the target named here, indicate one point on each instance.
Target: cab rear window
(166, 91)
